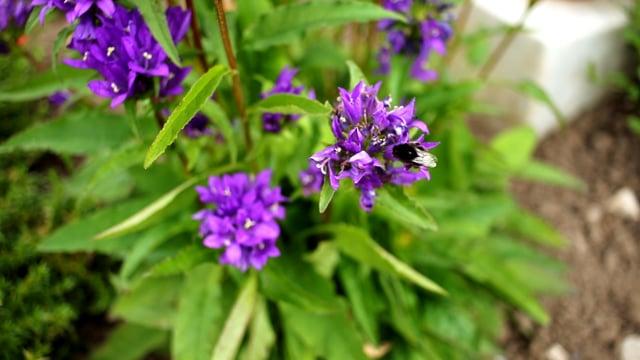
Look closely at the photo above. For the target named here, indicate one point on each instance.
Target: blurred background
(577, 66)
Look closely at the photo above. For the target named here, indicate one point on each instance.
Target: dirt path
(604, 252)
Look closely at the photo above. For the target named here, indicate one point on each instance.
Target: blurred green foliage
(42, 298)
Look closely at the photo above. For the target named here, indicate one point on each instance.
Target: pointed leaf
(539, 171)
(190, 104)
(291, 104)
(237, 322)
(395, 204)
(136, 220)
(355, 74)
(261, 337)
(44, 84)
(326, 194)
(357, 244)
(154, 17)
(286, 21)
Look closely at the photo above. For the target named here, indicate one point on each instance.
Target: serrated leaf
(326, 195)
(73, 133)
(135, 221)
(355, 74)
(357, 244)
(154, 17)
(190, 104)
(130, 342)
(286, 21)
(45, 84)
(291, 104)
(200, 317)
(395, 204)
(234, 328)
(185, 260)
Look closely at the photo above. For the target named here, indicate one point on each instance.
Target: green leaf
(634, 124)
(515, 146)
(151, 303)
(394, 204)
(45, 84)
(58, 43)
(32, 21)
(534, 228)
(291, 104)
(326, 194)
(329, 335)
(261, 335)
(355, 74)
(533, 90)
(74, 133)
(220, 119)
(357, 244)
(190, 104)
(539, 171)
(362, 297)
(78, 235)
(130, 342)
(146, 242)
(288, 279)
(237, 322)
(287, 21)
(154, 17)
(138, 219)
(200, 316)
(185, 260)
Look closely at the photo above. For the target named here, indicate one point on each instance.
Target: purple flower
(311, 180)
(373, 145)
(419, 38)
(122, 49)
(76, 9)
(197, 126)
(242, 219)
(273, 122)
(58, 98)
(14, 11)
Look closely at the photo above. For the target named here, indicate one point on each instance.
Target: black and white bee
(414, 154)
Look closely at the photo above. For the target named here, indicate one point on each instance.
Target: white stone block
(563, 40)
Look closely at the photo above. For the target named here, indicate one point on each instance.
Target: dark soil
(603, 256)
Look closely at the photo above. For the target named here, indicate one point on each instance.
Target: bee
(414, 154)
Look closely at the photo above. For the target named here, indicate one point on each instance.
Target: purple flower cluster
(373, 145)
(117, 43)
(243, 218)
(273, 122)
(14, 11)
(419, 38)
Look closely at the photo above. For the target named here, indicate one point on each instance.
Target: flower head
(273, 122)
(419, 38)
(374, 145)
(123, 50)
(242, 220)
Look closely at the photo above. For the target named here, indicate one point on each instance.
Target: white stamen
(227, 192)
(85, 56)
(227, 242)
(147, 56)
(110, 50)
(248, 224)
(261, 246)
(115, 88)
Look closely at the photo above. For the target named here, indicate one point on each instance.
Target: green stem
(197, 35)
(231, 58)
